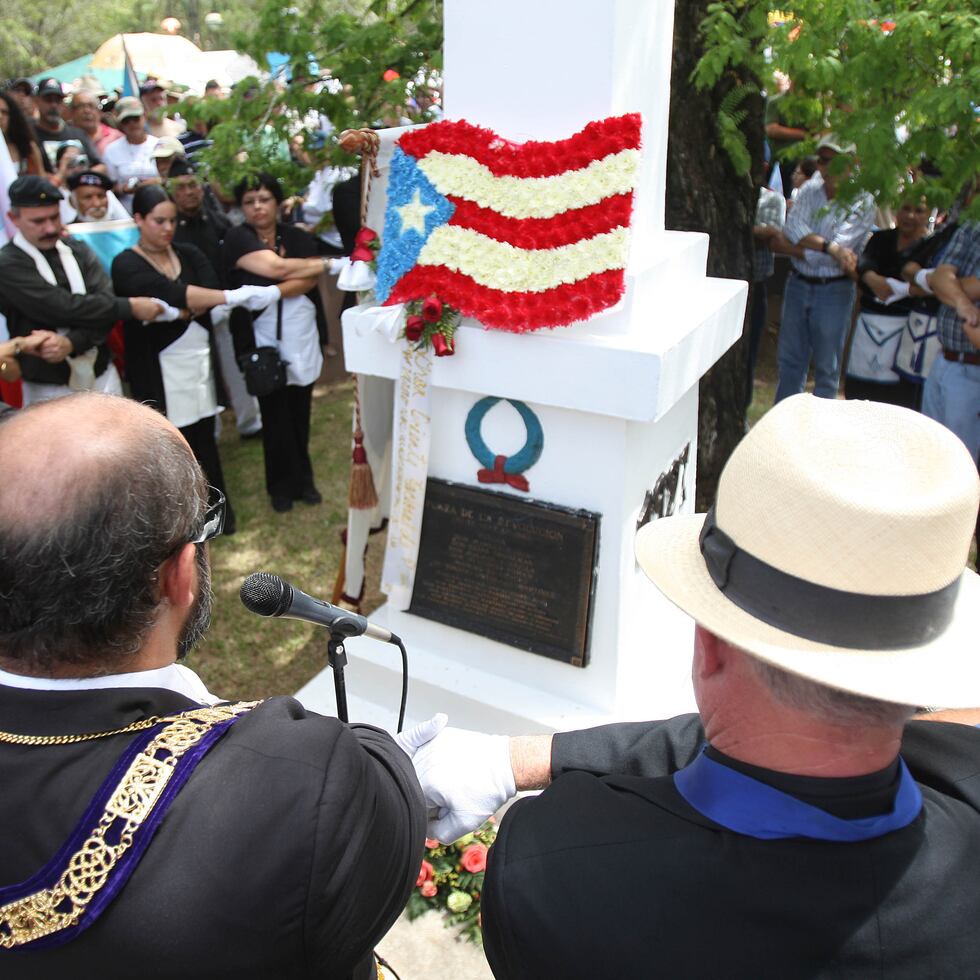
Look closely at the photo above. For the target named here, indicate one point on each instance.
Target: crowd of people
(89, 156)
(903, 288)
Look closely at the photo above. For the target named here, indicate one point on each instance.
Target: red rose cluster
(434, 322)
(365, 245)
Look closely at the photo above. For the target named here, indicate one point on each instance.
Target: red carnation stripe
(514, 312)
(531, 159)
(563, 229)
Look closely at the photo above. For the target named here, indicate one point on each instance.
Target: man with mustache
(91, 198)
(149, 828)
(57, 284)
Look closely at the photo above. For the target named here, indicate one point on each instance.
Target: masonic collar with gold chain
(73, 889)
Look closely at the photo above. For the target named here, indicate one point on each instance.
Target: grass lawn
(245, 656)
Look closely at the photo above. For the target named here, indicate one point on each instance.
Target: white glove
(253, 298)
(899, 288)
(169, 314)
(219, 313)
(353, 277)
(409, 742)
(922, 280)
(466, 777)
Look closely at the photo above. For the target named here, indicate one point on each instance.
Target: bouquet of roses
(451, 880)
(432, 321)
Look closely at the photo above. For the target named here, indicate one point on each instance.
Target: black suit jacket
(610, 874)
(288, 854)
(29, 303)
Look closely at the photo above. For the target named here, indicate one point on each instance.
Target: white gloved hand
(219, 313)
(353, 277)
(168, 314)
(899, 288)
(253, 298)
(466, 777)
(412, 740)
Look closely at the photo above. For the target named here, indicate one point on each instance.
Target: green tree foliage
(380, 53)
(38, 36)
(901, 81)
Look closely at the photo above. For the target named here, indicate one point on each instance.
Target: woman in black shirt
(879, 325)
(265, 251)
(172, 365)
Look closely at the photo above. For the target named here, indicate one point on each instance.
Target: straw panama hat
(845, 527)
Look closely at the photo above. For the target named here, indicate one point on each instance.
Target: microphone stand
(337, 660)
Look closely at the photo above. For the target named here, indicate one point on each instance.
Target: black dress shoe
(311, 496)
(281, 504)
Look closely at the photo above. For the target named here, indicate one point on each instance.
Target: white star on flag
(414, 213)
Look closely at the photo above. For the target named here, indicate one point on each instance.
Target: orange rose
(474, 858)
(425, 873)
(429, 889)
(430, 843)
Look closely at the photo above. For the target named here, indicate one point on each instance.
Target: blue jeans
(815, 320)
(952, 397)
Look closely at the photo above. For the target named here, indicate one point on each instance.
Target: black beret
(32, 192)
(181, 167)
(89, 178)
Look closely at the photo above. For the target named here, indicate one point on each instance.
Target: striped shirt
(962, 252)
(848, 225)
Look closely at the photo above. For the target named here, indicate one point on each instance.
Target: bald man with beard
(149, 828)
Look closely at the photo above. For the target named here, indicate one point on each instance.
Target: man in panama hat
(800, 825)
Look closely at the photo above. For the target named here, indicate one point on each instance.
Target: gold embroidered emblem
(51, 910)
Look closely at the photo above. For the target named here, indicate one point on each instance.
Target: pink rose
(431, 310)
(429, 889)
(430, 843)
(443, 347)
(414, 326)
(474, 858)
(425, 873)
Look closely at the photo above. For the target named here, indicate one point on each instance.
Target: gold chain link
(137, 726)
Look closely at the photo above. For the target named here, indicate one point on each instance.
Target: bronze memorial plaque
(517, 571)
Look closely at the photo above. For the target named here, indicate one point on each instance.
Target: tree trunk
(704, 193)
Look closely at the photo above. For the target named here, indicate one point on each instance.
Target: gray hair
(828, 704)
(81, 588)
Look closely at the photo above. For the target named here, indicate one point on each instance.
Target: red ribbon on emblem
(497, 475)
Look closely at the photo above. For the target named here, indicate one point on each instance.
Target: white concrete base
(445, 674)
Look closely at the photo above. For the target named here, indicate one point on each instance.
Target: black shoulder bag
(263, 368)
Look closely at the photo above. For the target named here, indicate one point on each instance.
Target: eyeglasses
(214, 517)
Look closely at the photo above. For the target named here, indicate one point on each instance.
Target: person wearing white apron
(57, 286)
(171, 365)
(262, 252)
(883, 312)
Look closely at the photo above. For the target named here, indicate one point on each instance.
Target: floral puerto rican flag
(516, 235)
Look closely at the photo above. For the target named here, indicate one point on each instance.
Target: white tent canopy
(174, 58)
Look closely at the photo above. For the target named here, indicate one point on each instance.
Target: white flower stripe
(531, 197)
(502, 266)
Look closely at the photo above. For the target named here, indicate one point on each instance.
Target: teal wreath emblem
(504, 469)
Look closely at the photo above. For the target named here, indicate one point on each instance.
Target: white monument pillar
(617, 396)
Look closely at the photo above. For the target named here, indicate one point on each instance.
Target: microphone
(268, 595)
